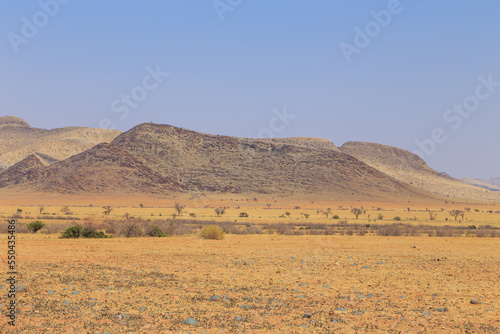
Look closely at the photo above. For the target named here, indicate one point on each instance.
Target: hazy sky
(420, 75)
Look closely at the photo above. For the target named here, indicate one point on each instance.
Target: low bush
(35, 226)
(212, 232)
(75, 232)
(156, 231)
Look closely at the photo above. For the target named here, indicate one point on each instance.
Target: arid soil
(264, 284)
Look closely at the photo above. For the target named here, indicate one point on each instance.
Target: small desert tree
(356, 212)
(107, 210)
(179, 208)
(220, 211)
(40, 208)
(287, 213)
(326, 212)
(432, 215)
(141, 205)
(66, 210)
(456, 213)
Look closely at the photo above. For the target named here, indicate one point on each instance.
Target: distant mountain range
(163, 159)
(491, 184)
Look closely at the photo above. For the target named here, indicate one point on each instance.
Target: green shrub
(88, 232)
(472, 227)
(35, 226)
(73, 232)
(397, 218)
(155, 231)
(243, 214)
(213, 232)
(336, 217)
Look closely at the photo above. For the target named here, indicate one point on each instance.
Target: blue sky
(234, 65)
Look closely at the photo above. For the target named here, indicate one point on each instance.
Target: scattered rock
(475, 301)
(307, 315)
(244, 306)
(442, 309)
(21, 288)
(191, 322)
(239, 318)
(215, 297)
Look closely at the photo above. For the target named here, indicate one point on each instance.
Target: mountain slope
(408, 168)
(102, 169)
(18, 140)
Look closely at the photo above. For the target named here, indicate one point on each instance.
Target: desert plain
(350, 280)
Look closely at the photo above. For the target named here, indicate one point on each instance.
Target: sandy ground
(285, 284)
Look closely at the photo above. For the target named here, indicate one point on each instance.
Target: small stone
(326, 286)
(75, 293)
(302, 284)
(50, 292)
(142, 309)
(21, 288)
(301, 296)
(191, 322)
(307, 315)
(366, 267)
(239, 318)
(369, 295)
(215, 297)
(474, 301)
(442, 309)
(360, 296)
(244, 306)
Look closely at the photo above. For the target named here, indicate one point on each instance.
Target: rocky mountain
(162, 159)
(410, 169)
(152, 158)
(19, 140)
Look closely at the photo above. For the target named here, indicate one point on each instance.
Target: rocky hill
(162, 159)
(152, 158)
(19, 140)
(408, 168)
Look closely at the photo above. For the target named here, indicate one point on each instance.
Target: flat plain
(256, 283)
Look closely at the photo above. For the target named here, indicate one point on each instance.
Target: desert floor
(253, 283)
(275, 283)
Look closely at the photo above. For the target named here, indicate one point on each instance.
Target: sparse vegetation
(356, 212)
(107, 210)
(220, 211)
(456, 213)
(156, 231)
(179, 208)
(243, 214)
